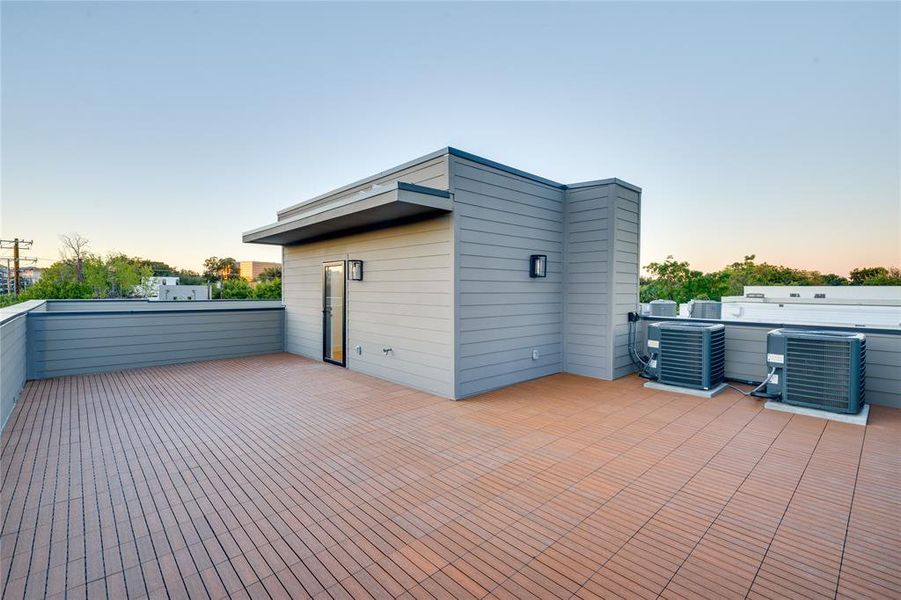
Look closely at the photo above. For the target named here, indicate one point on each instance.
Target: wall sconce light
(538, 265)
(355, 270)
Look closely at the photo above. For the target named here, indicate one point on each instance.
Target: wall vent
(818, 369)
(691, 355)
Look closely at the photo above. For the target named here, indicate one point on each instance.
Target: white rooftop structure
(870, 294)
(858, 306)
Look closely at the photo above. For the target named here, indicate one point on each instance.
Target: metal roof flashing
(451, 151)
(368, 208)
(412, 163)
(599, 182)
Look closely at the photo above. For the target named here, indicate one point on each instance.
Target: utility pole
(16, 265)
(15, 244)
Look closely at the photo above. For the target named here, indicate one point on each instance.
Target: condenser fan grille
(818, 373)
(692, 356)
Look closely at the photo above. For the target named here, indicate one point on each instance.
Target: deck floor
(283, 477)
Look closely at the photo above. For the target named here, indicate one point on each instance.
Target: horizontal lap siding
(884, 369)
(588, 283)
(746, 353)
(63, 344)
(404, 302)
(13, 353)
(500, 220)
(145, 304)
(625, 267)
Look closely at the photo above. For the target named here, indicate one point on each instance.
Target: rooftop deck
(283, 476)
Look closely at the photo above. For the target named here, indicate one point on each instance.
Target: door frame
(325, 343)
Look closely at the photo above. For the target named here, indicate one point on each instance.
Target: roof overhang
(381, 206)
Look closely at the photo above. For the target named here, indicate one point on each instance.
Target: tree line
(676, 280)
(225, 273)
(82, 274)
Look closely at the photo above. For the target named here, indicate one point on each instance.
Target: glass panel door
(333, 312)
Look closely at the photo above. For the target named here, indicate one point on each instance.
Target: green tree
(211, 268)
(235, 289)
(270, 273)
(268, 290)
(49, 287)
(220, 269)
(75, 250)
(675, 280)
(882, 276)
(125, 274)
(748, 272)
(833, 279)
(876, 276)
(160, 268)
(188, 277)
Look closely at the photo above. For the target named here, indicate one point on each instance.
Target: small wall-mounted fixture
(355, 270)
(538, 265)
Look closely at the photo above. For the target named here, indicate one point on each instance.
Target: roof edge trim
(608, 181)
(502, 167)
(425, 158)
(449, 150)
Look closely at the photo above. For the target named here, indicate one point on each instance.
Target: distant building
(251, 269)
(27, 276)
(150, 286)
(842, 305)
(851, 294)
(170, 293)
(30, 275)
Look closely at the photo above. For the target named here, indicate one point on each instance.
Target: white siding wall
(503, 314)
(404, 302)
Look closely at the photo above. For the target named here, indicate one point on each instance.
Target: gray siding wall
(154, 305)
(13, 352)
(453, 297)
(500, 219)
(746, 359)
(587, 334)
(602, 266)
(404, 302)
(625, 265)
(61, 343)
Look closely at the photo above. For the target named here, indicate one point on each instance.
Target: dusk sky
(165, 130)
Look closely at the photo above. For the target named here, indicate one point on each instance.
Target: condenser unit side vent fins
(689, 354)
(823, 370)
